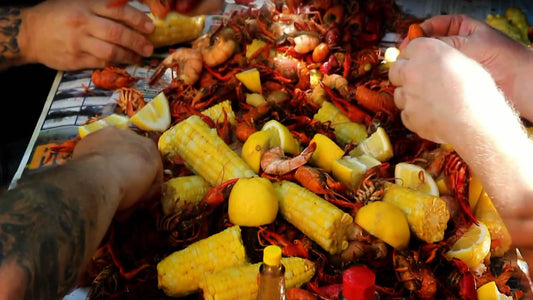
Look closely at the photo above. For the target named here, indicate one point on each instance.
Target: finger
(399, 98)
(456, 41)
(116, 33)
(86, 61)
(404, 43)
(108, 52)
(397, 72)
(125, 14)
(521, 230)
(406, 120)
(443, 25)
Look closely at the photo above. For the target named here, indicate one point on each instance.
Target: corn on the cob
(240, 282)
(177, 191)
(176, 28)
(180, 273)
(320, 220)
(216, 112)
(426, 214)
(204, 152)
(345, 130)
(487, 213)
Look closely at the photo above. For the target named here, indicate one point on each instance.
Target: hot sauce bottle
(271, 275)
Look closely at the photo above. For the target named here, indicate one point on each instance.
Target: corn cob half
(240, 282)
(216, 112)
(176, 28)
(204, 152)
(426, 214)
(176, 192)
(345, 130)
(180, 273)
(320, 220)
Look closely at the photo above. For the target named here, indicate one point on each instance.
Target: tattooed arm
(52, 222)
(73, 35)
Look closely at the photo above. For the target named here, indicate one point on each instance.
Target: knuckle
(76, 18)
(115, 32)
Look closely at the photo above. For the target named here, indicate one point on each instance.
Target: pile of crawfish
(338, 39)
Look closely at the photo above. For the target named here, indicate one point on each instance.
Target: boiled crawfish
(112, 78)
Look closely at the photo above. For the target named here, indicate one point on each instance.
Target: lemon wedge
(253, 202)
(348, 170)
(326, 152)
(120, 121)
(377, 145)
(473, 246)
(385, 221)
(281, 136)
(254, 147)
(487, 213)
(489, 291)
(474, 191)
(251, 79)
(415, 177)
(154, 116)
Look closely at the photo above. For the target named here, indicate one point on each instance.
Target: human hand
(73, 35)
(503, 57)
(134, 162)
(436, 91)
(188, 7)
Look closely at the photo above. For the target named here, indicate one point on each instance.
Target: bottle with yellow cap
(271, 275)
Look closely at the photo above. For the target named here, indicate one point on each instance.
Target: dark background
(23, 94)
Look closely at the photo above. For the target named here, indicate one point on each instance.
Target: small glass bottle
(358, 283)
(271, 275)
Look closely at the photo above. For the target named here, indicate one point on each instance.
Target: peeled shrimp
(305, 43)
(216, 53)
(189, 62)
(337, 82)
(275, 162)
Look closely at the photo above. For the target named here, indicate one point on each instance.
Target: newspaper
(73, 98)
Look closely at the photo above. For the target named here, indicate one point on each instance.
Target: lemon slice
(489, 291)
(385, 221)
(120, 121)
(253, 202)
(254, 147)
(154, 116)
(473, 246)
(377, 145)
(281, 136)
(415, 177)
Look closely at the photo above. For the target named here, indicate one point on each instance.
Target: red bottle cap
(358, 283)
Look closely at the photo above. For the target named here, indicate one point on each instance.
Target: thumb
(455, 41)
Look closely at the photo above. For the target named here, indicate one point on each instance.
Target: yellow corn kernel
(240, 282)
(204, 152)
(346, 131)
(180, 273)
(317, 218)
(176, 192)
(426, 214)
(176, 28)
(216, 112)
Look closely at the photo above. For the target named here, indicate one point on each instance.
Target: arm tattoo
(44, 231)
(9, 29)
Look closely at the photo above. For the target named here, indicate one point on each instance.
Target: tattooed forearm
(10, 20)
(44, 232)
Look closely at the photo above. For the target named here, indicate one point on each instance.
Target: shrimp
(275, 162)
(305, 43)
(337, 82)
(217, 52)
(189, 62)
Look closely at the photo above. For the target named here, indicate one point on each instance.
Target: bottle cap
(272, 255)
(358, 283)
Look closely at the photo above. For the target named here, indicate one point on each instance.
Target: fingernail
(149, 26)
(147, 50)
